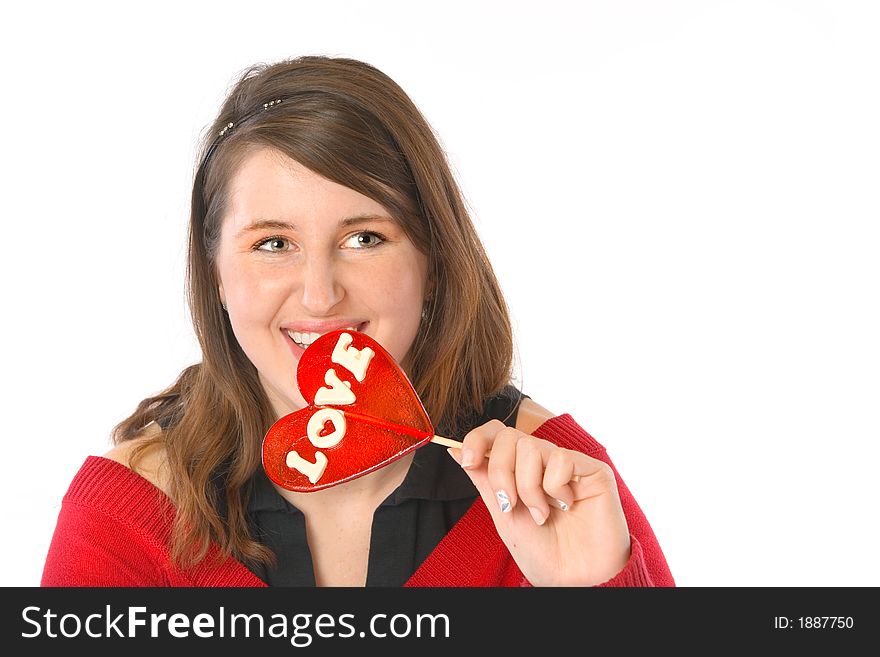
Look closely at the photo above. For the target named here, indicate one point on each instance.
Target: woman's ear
(222, 296)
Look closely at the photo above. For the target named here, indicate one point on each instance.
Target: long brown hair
(352, 124)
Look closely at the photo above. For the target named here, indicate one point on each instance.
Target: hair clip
(231, 124)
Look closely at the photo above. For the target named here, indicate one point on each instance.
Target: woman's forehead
(270, 186)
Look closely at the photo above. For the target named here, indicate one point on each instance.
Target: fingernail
(503, 501)
(452, 454)
(538, 515)
(467, 458)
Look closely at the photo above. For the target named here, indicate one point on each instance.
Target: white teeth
(306, 338)
(303, 338)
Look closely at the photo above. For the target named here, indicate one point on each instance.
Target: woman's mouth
(303, 339)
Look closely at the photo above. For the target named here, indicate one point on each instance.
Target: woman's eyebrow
(265, 224)
(276, 224)
(359, 219)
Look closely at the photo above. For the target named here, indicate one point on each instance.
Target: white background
(680, 199)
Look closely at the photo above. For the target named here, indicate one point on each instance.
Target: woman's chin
(283, 402)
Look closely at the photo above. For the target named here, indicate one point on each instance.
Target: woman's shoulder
(149, 463)
(531, 415)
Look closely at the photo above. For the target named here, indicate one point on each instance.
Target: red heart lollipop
(363, 414)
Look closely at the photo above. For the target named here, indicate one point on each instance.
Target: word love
(363, 413)
(339, 392)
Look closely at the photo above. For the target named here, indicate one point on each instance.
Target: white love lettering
(354, 360)
(316, 425)
(311, 470)
(338, 393)
(313, 430)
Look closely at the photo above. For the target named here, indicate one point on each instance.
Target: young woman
(323, 201)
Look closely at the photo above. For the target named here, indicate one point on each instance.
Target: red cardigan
(114, 527)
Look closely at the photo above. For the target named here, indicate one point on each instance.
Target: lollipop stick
(449, 442)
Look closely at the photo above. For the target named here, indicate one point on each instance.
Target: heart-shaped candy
(363, 414)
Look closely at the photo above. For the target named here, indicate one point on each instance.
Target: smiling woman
(337, 261)
(323, 201)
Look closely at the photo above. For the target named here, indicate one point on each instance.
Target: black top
(407, 526)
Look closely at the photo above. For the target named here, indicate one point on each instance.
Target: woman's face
(300, 256)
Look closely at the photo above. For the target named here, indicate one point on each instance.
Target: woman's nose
(321, 289)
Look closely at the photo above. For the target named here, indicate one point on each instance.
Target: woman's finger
(477, 444)
(501, 466)
(529, 478)
(595, 478)
(558, 475)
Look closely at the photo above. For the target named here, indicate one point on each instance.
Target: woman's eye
(363, 240)
(274, 244)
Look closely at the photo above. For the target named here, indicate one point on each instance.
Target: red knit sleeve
(647, 565)
(89, 548)
(99, 540)
(114, 529)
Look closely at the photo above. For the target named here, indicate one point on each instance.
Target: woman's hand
(561, 532)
